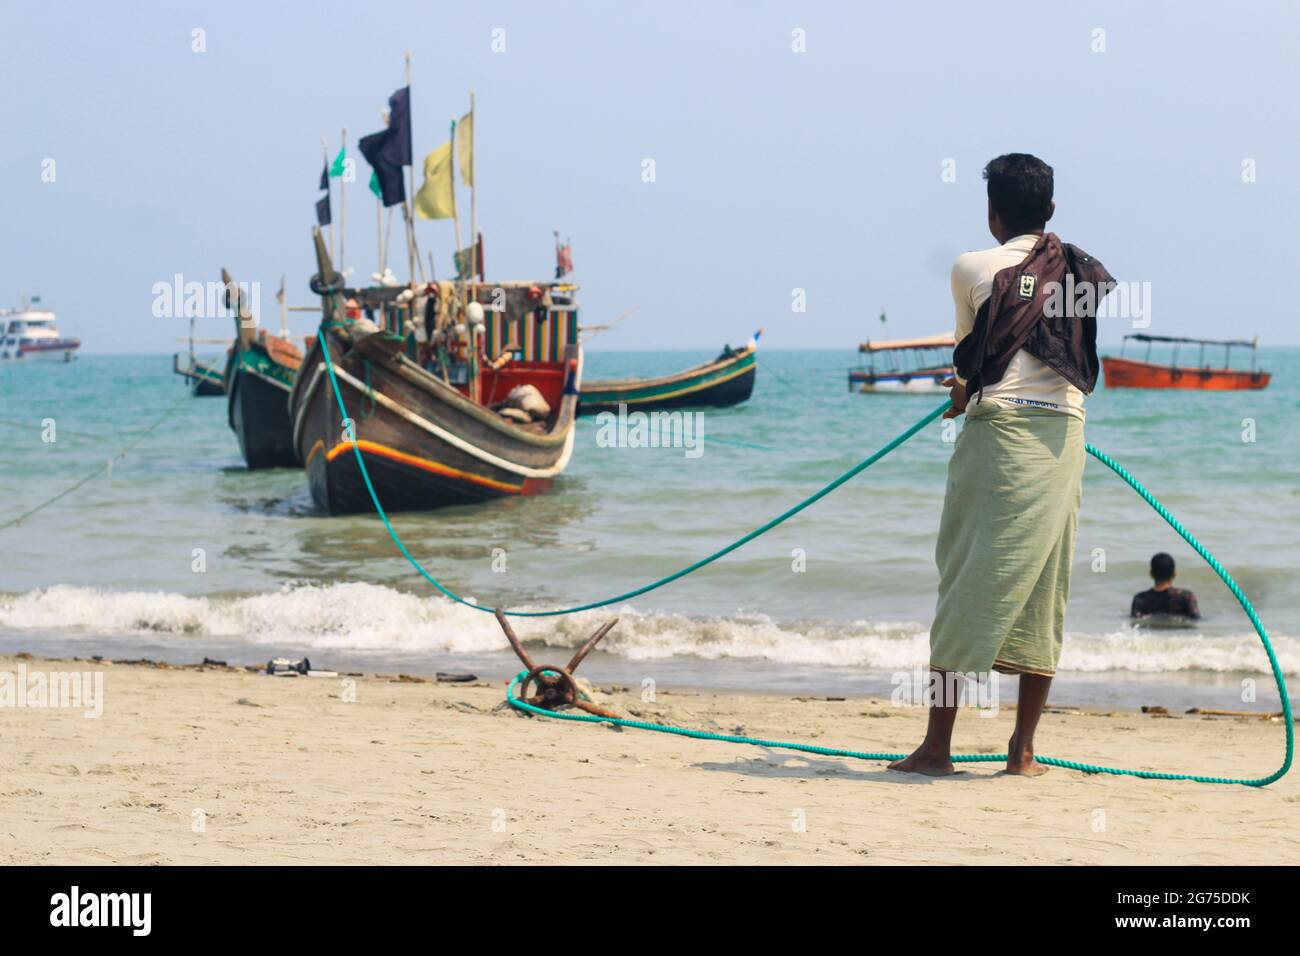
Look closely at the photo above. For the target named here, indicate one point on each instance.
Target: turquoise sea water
(112, 568)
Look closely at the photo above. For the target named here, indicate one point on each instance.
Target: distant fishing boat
(31, 335)
(204, 377)
(1121, 372)
(727, 380)
(259, 377)
(204, 380)
(905, 366)
(448, 403)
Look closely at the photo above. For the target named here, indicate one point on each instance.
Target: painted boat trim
(615, 396)
(424, 464)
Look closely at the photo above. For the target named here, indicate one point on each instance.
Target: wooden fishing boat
(259, 377)
(204, 380)
(436, 392)
(204, 376)
(727, 380)
(905, 366)
(1120, 372)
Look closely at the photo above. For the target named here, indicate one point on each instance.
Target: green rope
(866, 463)
(627, 595)
(1187, 536)
(105, 468)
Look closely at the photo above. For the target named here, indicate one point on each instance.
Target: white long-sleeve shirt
(1027, 381)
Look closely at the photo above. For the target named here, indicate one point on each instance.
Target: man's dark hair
(1020, 191)
(1162, 567)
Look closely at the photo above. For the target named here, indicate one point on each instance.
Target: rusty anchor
(556, 686)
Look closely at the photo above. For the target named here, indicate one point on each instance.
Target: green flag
(340, 161)
(464, 262)
(469, 261)
(374, 185)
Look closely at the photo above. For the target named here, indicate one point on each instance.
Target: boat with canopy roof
(904, 366)
(1121, 372)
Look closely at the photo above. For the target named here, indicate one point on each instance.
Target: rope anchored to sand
(534, 673)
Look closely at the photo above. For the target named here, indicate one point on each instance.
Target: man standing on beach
(1024, 360)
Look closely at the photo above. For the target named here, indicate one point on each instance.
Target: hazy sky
(775, 170)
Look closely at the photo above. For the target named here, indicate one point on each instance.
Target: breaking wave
(370, 617)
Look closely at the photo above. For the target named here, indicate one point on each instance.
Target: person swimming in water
(1164, 599)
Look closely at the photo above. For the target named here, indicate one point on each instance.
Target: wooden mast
(284, 311)
(407, 208)
(473, 194)
(455, 215)
(329, 188)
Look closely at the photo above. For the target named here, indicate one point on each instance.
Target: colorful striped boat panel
(541, 335)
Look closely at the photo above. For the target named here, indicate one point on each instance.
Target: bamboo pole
(388, 241)
(411, 255)
(471, 355)
(415, 244)
(473, 193)
(455, 216)
(343, 201)
(329, 190)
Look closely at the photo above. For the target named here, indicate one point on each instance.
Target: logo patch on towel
(1028, 282)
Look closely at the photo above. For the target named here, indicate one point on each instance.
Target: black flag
(325, 178)
(390, 149)
(323, 211)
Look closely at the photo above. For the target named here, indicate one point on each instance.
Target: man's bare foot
(928, 764)
(1025, 767)
(1021, 763)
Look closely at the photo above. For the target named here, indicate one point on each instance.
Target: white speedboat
(30, 334)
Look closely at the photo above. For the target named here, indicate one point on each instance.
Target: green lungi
(1006, 541)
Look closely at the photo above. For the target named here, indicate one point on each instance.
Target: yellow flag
(465, 148)
(436, 198)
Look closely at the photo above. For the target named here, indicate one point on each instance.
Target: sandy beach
(225, 766)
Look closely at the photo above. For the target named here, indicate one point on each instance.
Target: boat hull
(424, 445)
(258, 408)
(208, 388)
(1128, 373)
(914, 387)
(927, 381)
(62, 351)
(204, 380)
(718, 384)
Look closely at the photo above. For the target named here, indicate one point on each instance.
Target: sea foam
(370, 617)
